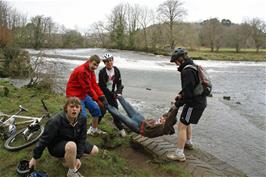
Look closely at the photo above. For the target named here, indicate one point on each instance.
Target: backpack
(204, 87)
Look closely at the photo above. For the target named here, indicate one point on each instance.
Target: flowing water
(232, 130)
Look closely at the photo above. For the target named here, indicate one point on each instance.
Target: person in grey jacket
(65, 137)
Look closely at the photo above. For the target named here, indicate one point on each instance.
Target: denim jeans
(134, 118)
(91, 105)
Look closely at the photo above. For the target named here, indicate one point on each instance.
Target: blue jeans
(134, 119)
(91, 105)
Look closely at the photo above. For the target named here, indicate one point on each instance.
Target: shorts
(191, 115)
(92, 106)
(58, 150)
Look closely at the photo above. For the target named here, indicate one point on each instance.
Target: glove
(119, 90)
(103, 100)
(178, 104)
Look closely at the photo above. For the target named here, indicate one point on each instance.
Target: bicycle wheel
(21, 140)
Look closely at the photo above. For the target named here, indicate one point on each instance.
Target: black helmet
(23, 168)
(177, 53)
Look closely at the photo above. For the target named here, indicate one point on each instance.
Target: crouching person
(65, 137)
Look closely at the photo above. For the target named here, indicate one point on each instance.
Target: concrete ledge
(198, 163)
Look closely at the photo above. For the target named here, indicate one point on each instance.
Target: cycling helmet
(23, 168)
(107, 56)
(38, 174)
(177, 53)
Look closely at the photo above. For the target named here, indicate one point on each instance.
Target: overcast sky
(82, 13)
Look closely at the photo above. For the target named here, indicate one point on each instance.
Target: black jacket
(189, 80)
(103, 79)
(59, 129)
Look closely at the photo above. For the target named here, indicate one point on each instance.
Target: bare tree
(117, 26)
(145, 19)
(133, 13)
(212, 33)
(258, 32)
(99, 32)
(170, 12)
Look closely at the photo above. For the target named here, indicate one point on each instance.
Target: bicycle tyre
(24, 143)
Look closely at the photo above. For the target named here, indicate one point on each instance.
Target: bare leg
(189, 132)
(95, 122)
(70, 154)
(182, 135)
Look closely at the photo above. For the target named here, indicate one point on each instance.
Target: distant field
(229, 54)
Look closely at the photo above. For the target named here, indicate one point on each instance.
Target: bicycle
(16, 140)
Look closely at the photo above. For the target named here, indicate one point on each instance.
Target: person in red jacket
(82, 84)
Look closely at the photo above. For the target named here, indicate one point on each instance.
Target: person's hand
(78, 164)
(32, 163)
(103, 100)
(178, 97)
(178, 104)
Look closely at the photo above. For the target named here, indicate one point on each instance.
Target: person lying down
(146, 127)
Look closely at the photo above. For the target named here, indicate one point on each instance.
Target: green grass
(106, 163)
(229, 54)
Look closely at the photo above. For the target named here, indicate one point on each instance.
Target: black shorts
(58, 150)
(191, 115)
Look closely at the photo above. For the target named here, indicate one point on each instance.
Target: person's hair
(72, 101)
(95, 58)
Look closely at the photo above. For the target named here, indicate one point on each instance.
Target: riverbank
(201, 54)
(115, 158)
(224, 54)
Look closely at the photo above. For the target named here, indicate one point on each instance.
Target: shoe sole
(176, 159)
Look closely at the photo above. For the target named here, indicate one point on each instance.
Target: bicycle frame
(30, 134)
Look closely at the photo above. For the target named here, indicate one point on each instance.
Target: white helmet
(107, 56)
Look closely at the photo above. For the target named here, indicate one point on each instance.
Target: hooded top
(189, 80)
(82, 82)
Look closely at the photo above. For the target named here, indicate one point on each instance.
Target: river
(232, 130)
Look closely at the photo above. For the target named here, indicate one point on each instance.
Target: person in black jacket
(110, 83)
(65, 137)
(194, 105)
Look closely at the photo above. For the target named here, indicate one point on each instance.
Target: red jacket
(82, 82)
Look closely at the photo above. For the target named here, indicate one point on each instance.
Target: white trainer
(123, 133)
(174, 156)
(75, 174)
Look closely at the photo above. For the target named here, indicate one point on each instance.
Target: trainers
(178, 157)
(189, 146)
(90, 131)
(75, 174)
(100, 132)
(123, 133)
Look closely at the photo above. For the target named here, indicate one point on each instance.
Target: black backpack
(204, 87)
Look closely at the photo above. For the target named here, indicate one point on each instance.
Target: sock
(179, 151)
(189, 141)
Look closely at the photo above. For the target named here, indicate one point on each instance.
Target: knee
(182, 126)
(94, 150)
(71, 147)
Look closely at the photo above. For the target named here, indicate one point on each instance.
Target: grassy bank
(116, 160)
(226, 54)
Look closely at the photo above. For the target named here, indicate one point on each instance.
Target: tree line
(133, 27)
